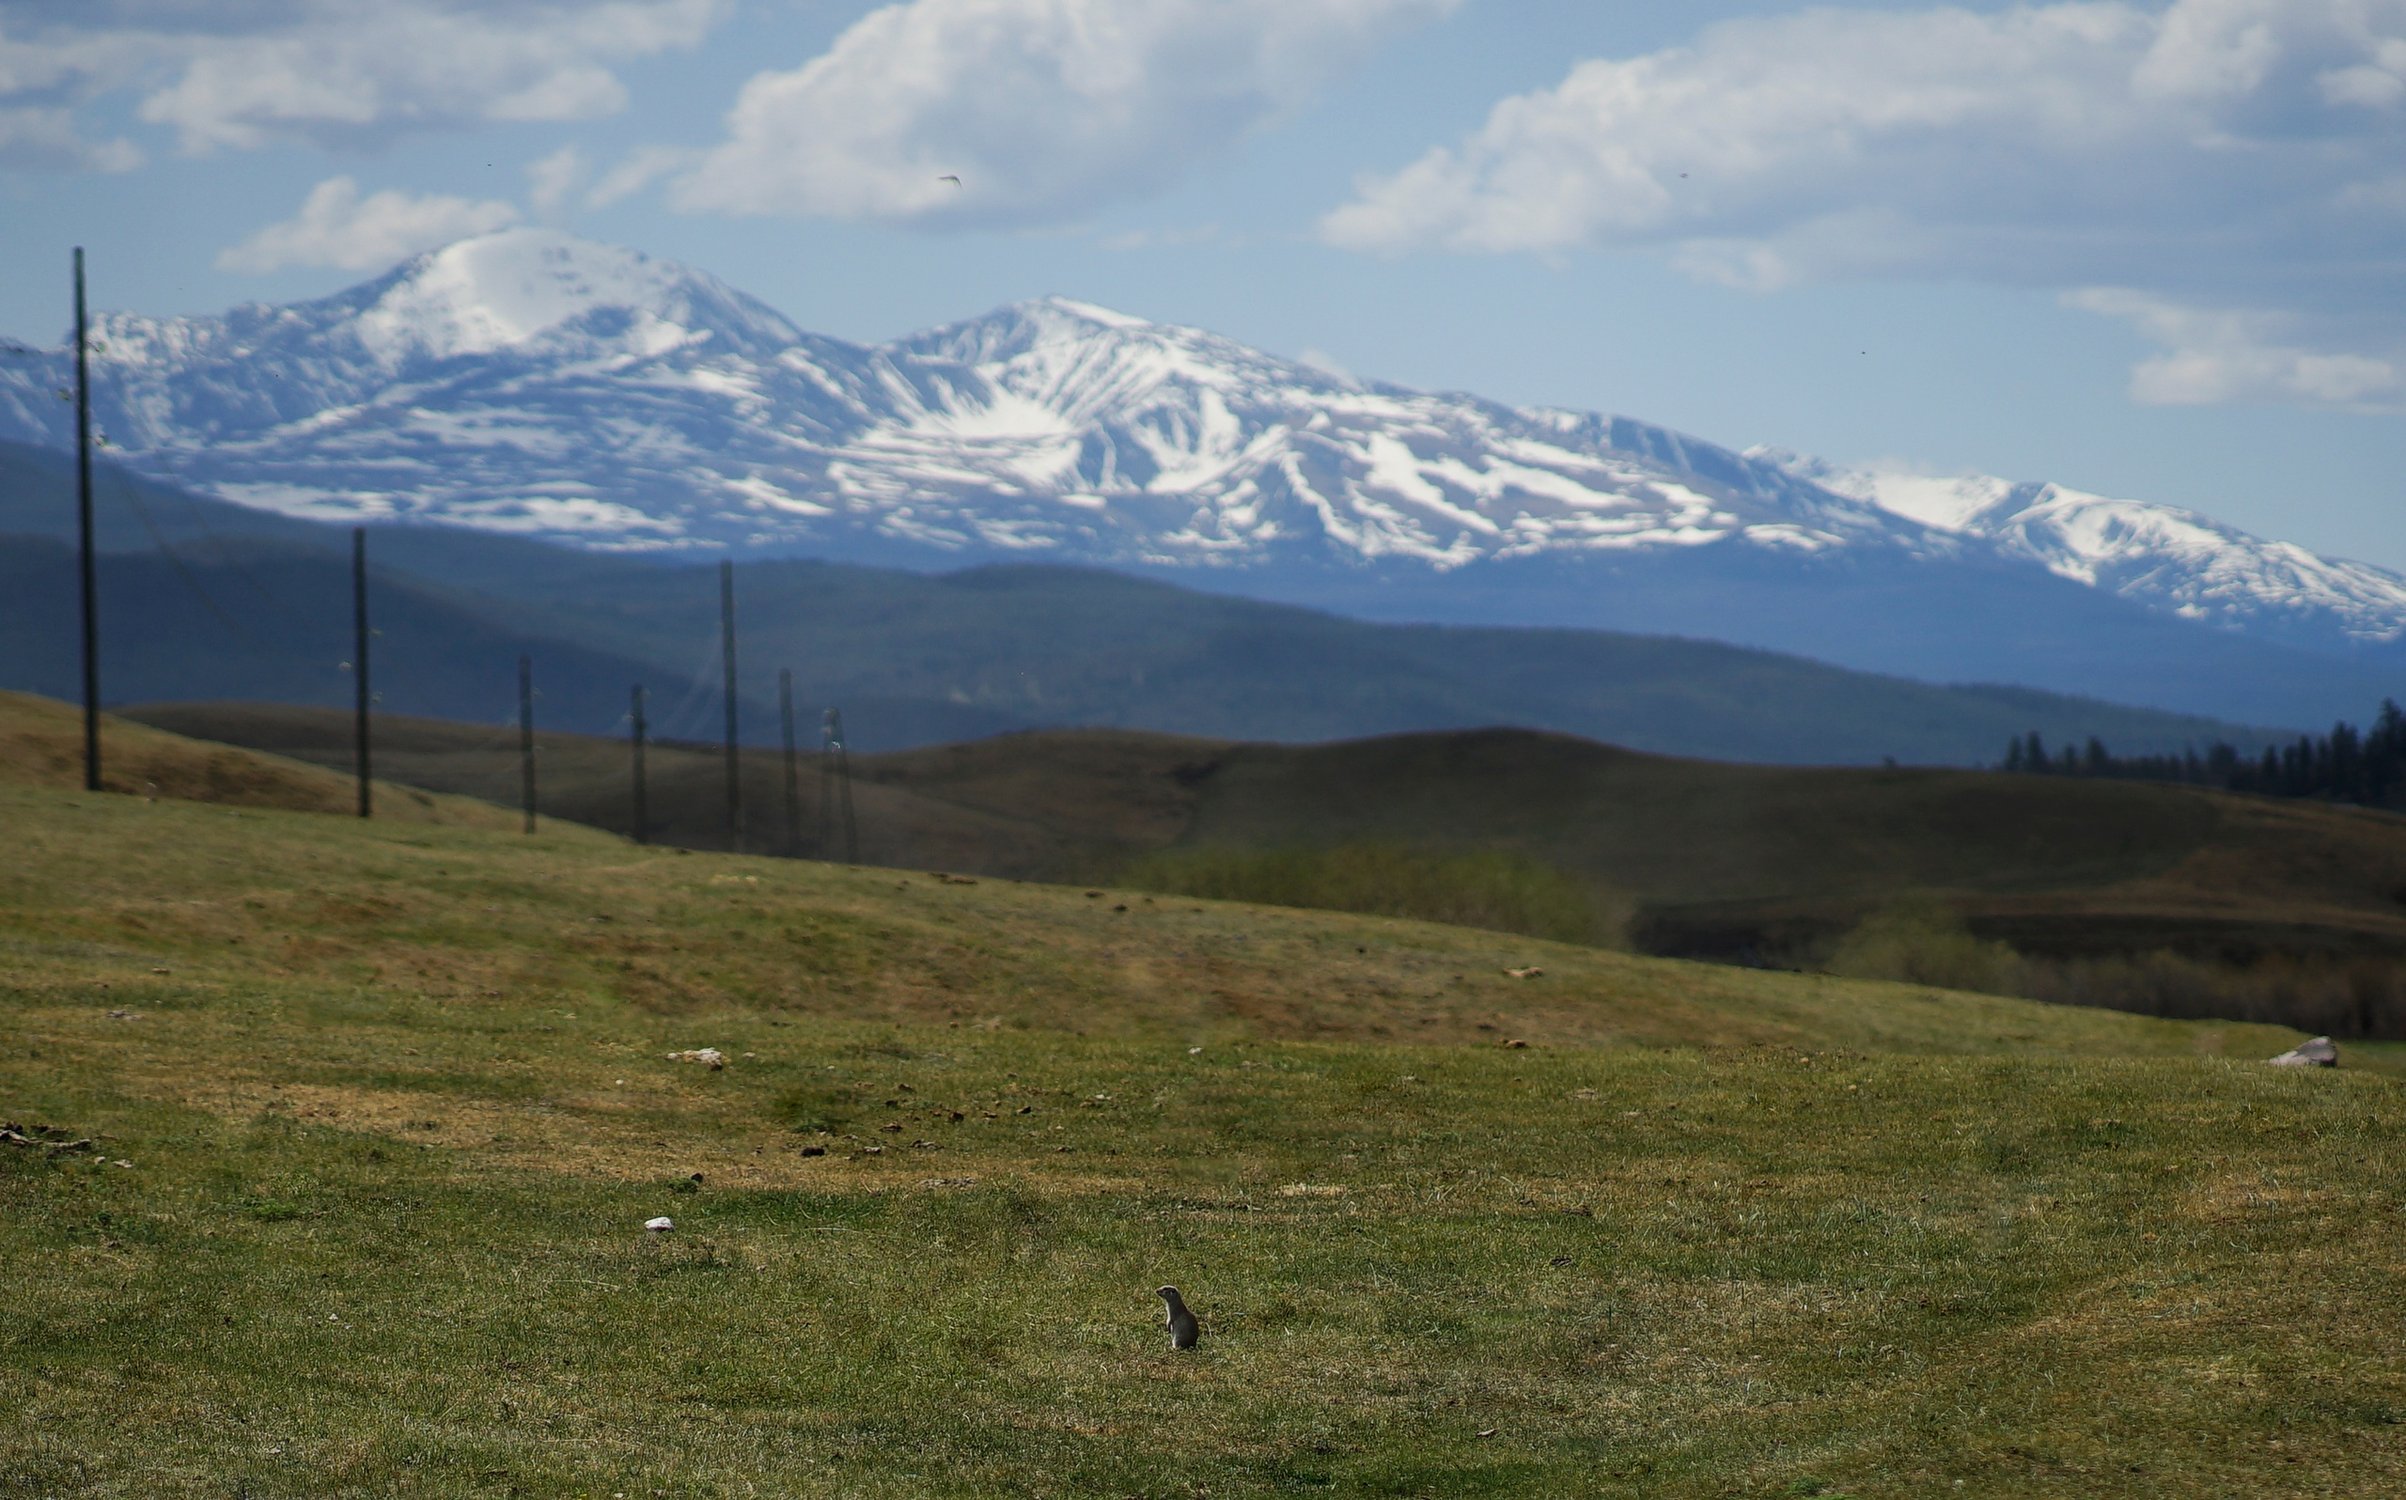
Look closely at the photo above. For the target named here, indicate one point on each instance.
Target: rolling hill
(1713, 860)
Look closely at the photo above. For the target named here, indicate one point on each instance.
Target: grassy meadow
(335, 1143)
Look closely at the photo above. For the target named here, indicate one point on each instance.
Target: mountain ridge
(203, 599)
(2183, 562)
(532, 384)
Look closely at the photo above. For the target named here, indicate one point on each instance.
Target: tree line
(2363, 766)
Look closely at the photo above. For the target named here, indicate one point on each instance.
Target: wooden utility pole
(359, 661)
(83, 526)
(827, 734)
(835, 784)
(526, 739)
(793, 782)
(635, 735)
(726, 627)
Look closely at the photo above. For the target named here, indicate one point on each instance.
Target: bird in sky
(949, 177)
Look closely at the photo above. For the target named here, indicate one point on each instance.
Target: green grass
(1488, 888)
(396, 1103)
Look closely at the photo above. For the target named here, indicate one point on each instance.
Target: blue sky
(2156, 250)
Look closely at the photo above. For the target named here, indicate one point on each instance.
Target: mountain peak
(1017, 328)
(523, 286)
(1087, 312)
(1949, 502)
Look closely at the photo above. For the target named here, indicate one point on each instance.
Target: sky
(2153, 249)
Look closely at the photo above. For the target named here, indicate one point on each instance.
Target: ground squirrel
(1183, 1328)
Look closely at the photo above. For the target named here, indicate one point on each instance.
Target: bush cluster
(1925, 941)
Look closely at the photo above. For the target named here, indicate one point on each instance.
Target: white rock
(709, 1057)
(661, 1225)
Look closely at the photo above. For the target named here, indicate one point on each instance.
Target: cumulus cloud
(2215, 153)
(235, 74)
(1044, 109)
(337, 227)
(2217, 355)
(43, 80)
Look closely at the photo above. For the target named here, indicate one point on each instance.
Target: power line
(697, 688)
(191, 580)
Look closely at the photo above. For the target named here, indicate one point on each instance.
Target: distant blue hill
(203, 600)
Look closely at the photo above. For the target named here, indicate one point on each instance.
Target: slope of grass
(376, 1114)
(1467, 888)
(42, 745)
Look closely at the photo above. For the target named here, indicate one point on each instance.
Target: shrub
(1924, 941)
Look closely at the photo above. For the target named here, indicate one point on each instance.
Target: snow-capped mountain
(2167, 558)
(530, 382)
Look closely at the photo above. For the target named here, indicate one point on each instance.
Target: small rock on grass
(709, 1057)
(661, 1225)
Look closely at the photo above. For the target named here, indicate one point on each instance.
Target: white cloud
(1045, 109)
(337, 227)
(46, 139)
(639, 170)
(42, 81)
(552, 180)
(2237, 153)
(2214, 356)
(233, 74)
(1769, 122)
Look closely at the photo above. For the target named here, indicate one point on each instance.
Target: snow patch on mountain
(2160, 555)
(512, 288)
